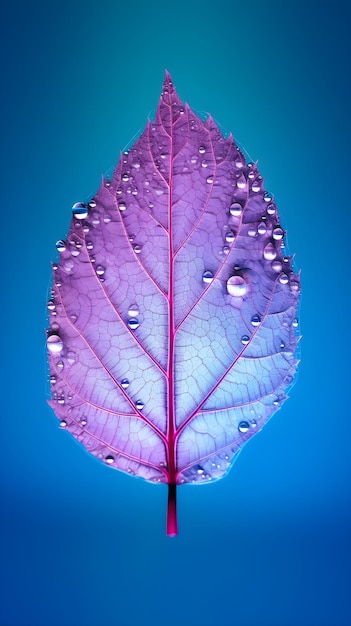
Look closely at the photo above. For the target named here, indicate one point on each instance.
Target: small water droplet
(137, 248)
(295, 322)
(209, 179)
(276, 266)
(282, 345)
(71, 357)
(230, 236)
(252, 232)
(255, 186)
(54, 344)
(100, 270)
(75, 252)
(92, 204)
(236, 209)
(294, 285)
(133, 323)
(107, 219)
(255, 320)
(51, 305)
(125, 178)
(236, 286)
(207, 277)
(278, 233)
(225, 249)
(204, 163)
(133, 310)
(125, 383)
(269, 252)
(52, 379)
(122, 206)
(267, 197)
(90, 245)
(276, 402)
(271, 209)
(200, 470)
(61, 400)
(60, 245)
(109, 459)
(83, 421)
(139, 404)
(193, 159)
(159, 192)
(63, 424)
(245, 339)
(262, 228)
(202, 150)
(80, 211)
(283, 278)
(243, 427)
(60, 366)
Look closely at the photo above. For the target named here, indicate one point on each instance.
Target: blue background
(83, 545)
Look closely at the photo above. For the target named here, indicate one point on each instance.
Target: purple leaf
(173, 310)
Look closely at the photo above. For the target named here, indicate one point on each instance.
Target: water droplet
(282, 345)
(255, 320)
(63, 424)
(51, 305)
(209, 179)
(133, 323)
(225, 249)
(100, 270)
(278, 233)
(230, 236)
(52, 379)
(60, 366)
(107, 183)
(107, 219)
(90, 245)
(271, 209)
(79, 211)
(295, 322)
(159, 192)
(125, 383)
(243, 427)
(207, 277)
(125, 178)
(137, 248)
(294, 286)
(139, 404)
(71, 357)
(241, 182)
(239, 162)
(83, 421)
(122, 206)
(236, 286)
(133, 310)
(202, 150)
(54, 326)
(54, 344)
(204, 163)
(200, 470)
(252, 232)
(236, 209)
(60, 245)
(109, 459)
(255, 186)
(267, 197)
(269, 252)
(61, 400)
(276, 266)
(276, 402)
(283, 278)
(75, 252)
(245, 339)
(262, 228)
(92, 204)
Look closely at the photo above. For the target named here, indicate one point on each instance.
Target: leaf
(172, 332)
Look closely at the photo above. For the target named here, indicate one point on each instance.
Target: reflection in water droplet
(109, 459)
(133, 323)
(255, 320)
(235, 209)
(245, 339)
(125, 383)
(207, 277)
(278, 233)
(243, 427)
(236, 286)
(60, 245)
(269, 252)
(79, 211)
(139, 404)
(54, 344)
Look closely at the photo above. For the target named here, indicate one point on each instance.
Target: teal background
(83, 545)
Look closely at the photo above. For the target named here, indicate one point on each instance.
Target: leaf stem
(172, 522)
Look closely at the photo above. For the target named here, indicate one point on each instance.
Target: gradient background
(269, 545)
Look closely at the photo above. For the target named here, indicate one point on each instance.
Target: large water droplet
(125, 383)
(269, 252)
(271, 209)
(80, 211)
(207, 277)
(243, 427)
(236, 286)
(278, 233)
(235, 209)
(241, 182)
(133, 323)
(256, 186)
(262, 228)
(60, 245)
(267, 197)
(283, 278)
(255, 320)
(100, 270)
(54, 344)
